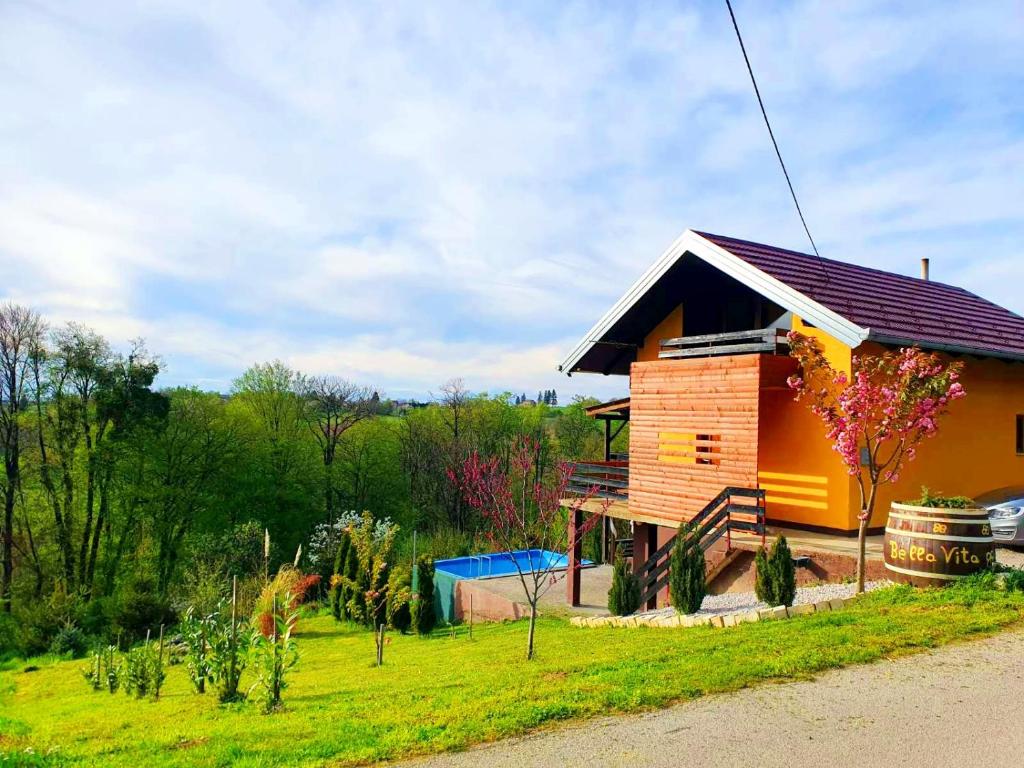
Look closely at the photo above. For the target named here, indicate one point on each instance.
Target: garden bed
(734, 607)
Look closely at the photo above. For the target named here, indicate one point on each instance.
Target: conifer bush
(399, 616)
(775, 578)
(423, 617)
(686, 582)
(337, 583)
(624, 596)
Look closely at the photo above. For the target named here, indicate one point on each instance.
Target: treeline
(123, 502)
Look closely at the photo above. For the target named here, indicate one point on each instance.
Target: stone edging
(715, 620)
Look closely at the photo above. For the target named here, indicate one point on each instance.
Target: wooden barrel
(934, 545)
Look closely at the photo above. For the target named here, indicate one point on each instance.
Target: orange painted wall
(974, 450)
(804, 479)
(669, 328)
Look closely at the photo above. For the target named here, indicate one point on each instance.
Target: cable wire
(771, 133)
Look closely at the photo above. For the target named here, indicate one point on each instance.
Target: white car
(1006, 513)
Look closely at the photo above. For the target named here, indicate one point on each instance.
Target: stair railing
(717, 519)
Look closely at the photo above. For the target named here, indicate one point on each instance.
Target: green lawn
(446, 693)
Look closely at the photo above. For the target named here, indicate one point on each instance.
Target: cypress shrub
(423, 617)
(775, 580)
(784, 572)
(624, 596)
(399, 613)
(686, 583)
(338, 589)
(350, 573)
(764, 585)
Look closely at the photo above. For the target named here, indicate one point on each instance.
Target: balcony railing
(601, 479)
(766, 340)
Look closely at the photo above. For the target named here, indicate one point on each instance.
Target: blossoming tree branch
(876, 417)
(521, 512)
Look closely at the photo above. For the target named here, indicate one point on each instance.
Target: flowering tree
(877, 417)
(523, 513)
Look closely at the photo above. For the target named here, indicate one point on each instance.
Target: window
(1020, 433)
(705, 452)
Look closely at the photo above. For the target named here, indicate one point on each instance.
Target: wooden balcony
(601, 479)
(765, 341)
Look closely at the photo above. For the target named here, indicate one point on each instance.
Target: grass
(443, 693)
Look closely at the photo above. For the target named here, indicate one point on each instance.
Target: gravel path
(733, 602)
(960, 705)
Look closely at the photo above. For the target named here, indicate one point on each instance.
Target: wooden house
(715, 435)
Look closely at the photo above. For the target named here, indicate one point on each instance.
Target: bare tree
(334, 406)
(21, 330)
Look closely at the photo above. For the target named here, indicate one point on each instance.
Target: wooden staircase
(732, 509)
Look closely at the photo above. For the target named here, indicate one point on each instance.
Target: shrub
(372, 543)
(196, 631)
(97, 617)
(287, 590)
(399, 615)
(775, 580)
(230, 641)
(36, 625)
(93, 672)
(348, 578)
(142, 609)
(446, 542)
(423, 617)
(275, 654)
(929, 499)
(9, 644)
(69, 641)
(136, 672)
(1013, 581)
(686, 582)
(111, 669)
(337, 585)
(624, 596)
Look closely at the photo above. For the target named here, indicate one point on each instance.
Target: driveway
(959, 705)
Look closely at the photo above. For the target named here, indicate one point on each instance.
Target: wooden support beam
(573, 580)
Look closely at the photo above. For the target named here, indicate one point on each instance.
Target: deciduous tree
(523, 513)
(877, 417)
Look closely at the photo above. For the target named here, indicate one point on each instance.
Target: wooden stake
(471, 617)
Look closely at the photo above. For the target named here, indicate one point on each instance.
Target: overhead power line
(771, 133)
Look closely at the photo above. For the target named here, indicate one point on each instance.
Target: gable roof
(849, 302)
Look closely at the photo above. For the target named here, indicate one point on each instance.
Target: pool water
(503, 564)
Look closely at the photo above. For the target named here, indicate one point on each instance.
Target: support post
(573, 586)
(645, 544)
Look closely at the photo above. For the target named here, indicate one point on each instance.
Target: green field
(445, 692)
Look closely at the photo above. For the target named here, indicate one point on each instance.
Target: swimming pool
(503, 564)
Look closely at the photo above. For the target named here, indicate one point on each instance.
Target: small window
(705, 453)
(1020, 433)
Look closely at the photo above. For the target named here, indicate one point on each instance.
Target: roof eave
(958, 349)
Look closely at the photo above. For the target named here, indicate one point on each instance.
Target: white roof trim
(690, 242)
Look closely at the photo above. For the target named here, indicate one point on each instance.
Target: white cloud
(418, 191)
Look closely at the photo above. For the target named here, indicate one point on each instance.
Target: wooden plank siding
(693, 431)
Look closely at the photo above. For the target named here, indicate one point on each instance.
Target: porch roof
(615, 410)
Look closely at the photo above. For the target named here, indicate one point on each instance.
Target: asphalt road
(959, 705)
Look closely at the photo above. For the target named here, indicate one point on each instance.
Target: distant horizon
(409, 195)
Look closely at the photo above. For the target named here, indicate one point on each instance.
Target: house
(715, 434)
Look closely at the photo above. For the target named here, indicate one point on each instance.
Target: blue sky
(411, 192)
